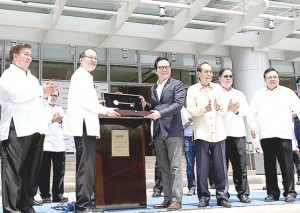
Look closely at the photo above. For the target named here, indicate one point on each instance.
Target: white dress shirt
(83, 105)
(187, 129)
(234, 123)
(21, 98)
(54, 142)
(160, 87)
(208, 126)
(271, 112)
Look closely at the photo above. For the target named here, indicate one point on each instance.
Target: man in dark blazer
(168, 96)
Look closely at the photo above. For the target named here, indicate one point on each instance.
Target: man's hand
(233, 106)
(102, 102)
(253, 134)
(57, 118)
(257, 149)
(143, 101)
(112, 113)
(208, 107)
(154, 115)
(216, 105)
(49, 87)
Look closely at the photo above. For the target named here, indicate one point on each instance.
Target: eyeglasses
(164, 67)
(91, 57)
(54, 95)
(227, 76)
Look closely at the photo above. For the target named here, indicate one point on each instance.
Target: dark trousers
(85, 169)
(58, 160)
(217, 150)
(282, 150)
(158, 187)
(236, 154)
(20, 160)
(211, 172)
(296, 161)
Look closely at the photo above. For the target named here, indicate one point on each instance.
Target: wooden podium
(120, 163)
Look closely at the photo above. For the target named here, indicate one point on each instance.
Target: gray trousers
(169, 156)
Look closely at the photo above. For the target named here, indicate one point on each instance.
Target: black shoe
(156, 194)
(191, 192)
(271, 198)
(224, 203)
(37, 202)
(60, 199)
(244, 199)
(289, 199)
(203, 203)
(47, 200)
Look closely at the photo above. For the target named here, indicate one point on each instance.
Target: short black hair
(270, 70)
(160, 59)
(223, 70)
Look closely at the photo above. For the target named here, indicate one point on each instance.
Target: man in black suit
(168, 96)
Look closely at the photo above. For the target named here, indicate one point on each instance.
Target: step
(149, 169)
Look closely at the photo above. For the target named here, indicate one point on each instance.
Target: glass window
(148, 75)
(283, 66)
(100, 73)
(182, 60)
(34, 68)
(57, 70)
(148, 58)
(122, 73)
(288, 81)
(297, 68)
(186, 76)
(58, 52)
(123, 65)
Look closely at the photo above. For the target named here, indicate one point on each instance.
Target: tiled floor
(189, 204)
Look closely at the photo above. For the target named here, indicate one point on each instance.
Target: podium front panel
(121, 180)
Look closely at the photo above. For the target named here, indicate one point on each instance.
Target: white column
(248, 67)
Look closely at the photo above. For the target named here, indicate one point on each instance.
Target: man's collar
(164, 82)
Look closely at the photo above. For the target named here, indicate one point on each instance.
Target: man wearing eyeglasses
(235, 133)
(270, 121)
(82, 122)
(206, 105)
(53, 153)
(167, 99)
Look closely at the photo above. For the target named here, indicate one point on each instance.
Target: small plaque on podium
(126, 104)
